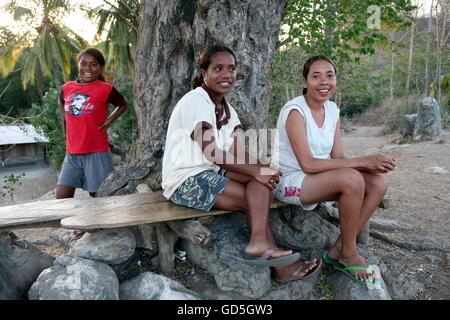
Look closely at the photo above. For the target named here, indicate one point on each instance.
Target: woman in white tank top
(315, 169)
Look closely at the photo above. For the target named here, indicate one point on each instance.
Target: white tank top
(320, 140)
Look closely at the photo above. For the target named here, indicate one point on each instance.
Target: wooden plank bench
(170, 220)
(100, 213)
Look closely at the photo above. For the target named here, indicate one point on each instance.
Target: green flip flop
(368, 269)
(326, 258)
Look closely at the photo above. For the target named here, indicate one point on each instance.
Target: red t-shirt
(86, 107)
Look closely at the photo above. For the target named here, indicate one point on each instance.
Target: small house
(19, 144)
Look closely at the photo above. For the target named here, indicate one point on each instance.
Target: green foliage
(324, 290)
(10, 183)
(340, 30)
(120, 20)
(44, 117)
(50, 50)
(124, 128)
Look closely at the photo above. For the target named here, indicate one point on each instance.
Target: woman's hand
(378, 163)
(268, 176)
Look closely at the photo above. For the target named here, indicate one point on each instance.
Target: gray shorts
(199, 191)
(86, 171)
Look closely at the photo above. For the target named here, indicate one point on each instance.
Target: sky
(78, 23)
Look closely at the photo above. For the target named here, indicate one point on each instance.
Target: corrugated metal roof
(15, 134)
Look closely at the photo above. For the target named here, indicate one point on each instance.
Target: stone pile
(89, 270)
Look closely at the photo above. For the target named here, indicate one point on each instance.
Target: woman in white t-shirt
(315, 169)
(204, 166)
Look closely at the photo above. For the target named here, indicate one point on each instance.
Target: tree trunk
(410, 58)
(172, 34)
(427, 53)
(391, 81)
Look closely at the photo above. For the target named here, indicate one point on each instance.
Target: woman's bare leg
(347, 186)
(245, 194)
(375, 189)
(232, 199)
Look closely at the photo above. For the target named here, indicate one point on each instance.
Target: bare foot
(356, 261)
(294, 271)
(335, 251)
(257, 251)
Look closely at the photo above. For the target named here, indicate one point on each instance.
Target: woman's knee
(351, 181)
(376, 183)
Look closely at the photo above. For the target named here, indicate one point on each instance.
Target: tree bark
(427, 54)
(410, 58)
(171, 36)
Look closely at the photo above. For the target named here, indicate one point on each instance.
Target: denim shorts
(199, 191)
(86, 171)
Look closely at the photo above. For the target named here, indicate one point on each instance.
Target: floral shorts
(288, 190)
(199, 191)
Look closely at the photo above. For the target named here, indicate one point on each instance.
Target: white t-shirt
(183, 157)
(320, 140)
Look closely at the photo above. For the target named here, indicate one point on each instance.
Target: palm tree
(121, 22)
(47, 48)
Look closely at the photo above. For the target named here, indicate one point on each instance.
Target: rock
(408, 124)
(143, 188)
(345, 288)
(385, 204)
(151, 286)
(391, 147)
(64, 237)
(327, 211)
(204, 284)
(73, 278)
(389, 225)
(45, 242)
(297, 229)
(401, 286)
(363, 235)
(436, 170)
(111, 246)
(428, 121)
(223, 259)
(293, 229)
(20, 265)
(294, 290)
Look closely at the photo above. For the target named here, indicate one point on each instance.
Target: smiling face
(89, 69)
(320, 81)
(221, 73)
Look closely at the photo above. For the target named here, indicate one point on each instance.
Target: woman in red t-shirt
(84, 105)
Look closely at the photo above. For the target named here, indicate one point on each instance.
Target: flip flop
(326, 258)
(346, 270)
(276, 262)
(295, 275)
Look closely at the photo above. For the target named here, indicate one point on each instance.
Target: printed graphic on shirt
(291, 192)
(79, 104)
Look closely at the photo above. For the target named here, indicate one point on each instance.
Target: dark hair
(205, 60)
(308, 64)
(98, 56)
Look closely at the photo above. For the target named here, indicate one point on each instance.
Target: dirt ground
(415, 197)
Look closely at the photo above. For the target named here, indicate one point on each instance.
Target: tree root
(408, 245)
